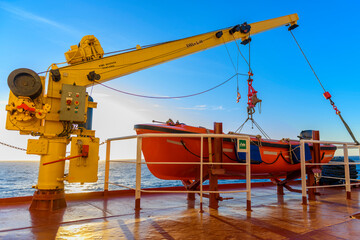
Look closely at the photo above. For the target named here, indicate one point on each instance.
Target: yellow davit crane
(59, 116)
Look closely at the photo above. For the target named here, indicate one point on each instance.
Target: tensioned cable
(117, 67)
(256, 125)
(331, 102)
(134, 48)
(156, 97)
(232, 62)
(250, 70)
(237, 45)
(312, 69)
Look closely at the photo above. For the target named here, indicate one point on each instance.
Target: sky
(35, 34)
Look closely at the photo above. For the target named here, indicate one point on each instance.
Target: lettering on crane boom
(194, 43)
(107, 65)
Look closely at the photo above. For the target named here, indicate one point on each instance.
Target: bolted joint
(92, 76)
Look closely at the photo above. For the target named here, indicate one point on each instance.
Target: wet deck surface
(171, 216)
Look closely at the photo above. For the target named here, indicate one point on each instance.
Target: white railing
(201, 191)
(342, 145)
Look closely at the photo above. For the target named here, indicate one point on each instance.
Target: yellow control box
(85, 167)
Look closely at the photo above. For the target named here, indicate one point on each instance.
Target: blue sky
(34, 34)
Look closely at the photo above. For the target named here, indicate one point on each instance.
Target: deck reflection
(172, 216)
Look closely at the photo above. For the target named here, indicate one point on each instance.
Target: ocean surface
(17, 178)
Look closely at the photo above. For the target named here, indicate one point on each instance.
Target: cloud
(101, 95)
(30, 16)
(218, 108)
(203, 107)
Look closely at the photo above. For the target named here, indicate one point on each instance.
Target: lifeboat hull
(269, 158)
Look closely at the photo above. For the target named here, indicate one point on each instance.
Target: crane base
(48, 200)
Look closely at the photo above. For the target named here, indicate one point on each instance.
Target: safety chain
(11, 146)
(23, 149)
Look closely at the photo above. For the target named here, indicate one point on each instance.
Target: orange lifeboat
(269, 158)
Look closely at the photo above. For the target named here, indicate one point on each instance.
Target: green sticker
(242, 144)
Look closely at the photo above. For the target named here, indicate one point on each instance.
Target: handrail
(345, 146)
(329, 142)
(138, 163)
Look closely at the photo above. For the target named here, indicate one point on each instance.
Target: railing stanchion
(248, 177)
(138, 174)
(347, 172)
(201, 173)
(107, 167)
(303, 172)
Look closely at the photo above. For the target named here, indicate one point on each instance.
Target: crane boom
(118, 65)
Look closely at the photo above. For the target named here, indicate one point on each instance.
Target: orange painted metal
(213, 178)
(316, 159)
(177, 149)
(48, 200)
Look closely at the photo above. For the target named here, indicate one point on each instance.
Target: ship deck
(172, 216)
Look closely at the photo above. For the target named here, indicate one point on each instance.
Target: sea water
(18, 177)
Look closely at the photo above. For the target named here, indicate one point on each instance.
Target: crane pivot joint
(234, 29)
(246, 41)
(243, 28)
(219, 34)
(55, 75)
(292, 27)
(92, 76)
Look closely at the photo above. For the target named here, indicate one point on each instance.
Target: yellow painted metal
(24, 114)
(88, 49)
(51, 176)
(84, 169)
(125, 63)
(37, 146)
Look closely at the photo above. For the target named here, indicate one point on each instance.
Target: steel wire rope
(156, 97)
(107, 53)
(232, 62)
(237, 79)
(262, 131)
(236, 70)
(127, 50)
(117, 67)
(241, 52)
(312, 69)
(153, 58)
(331, 102)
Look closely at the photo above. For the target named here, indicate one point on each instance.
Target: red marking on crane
(26, 107)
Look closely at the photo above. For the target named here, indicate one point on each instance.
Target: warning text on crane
(107, 65)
